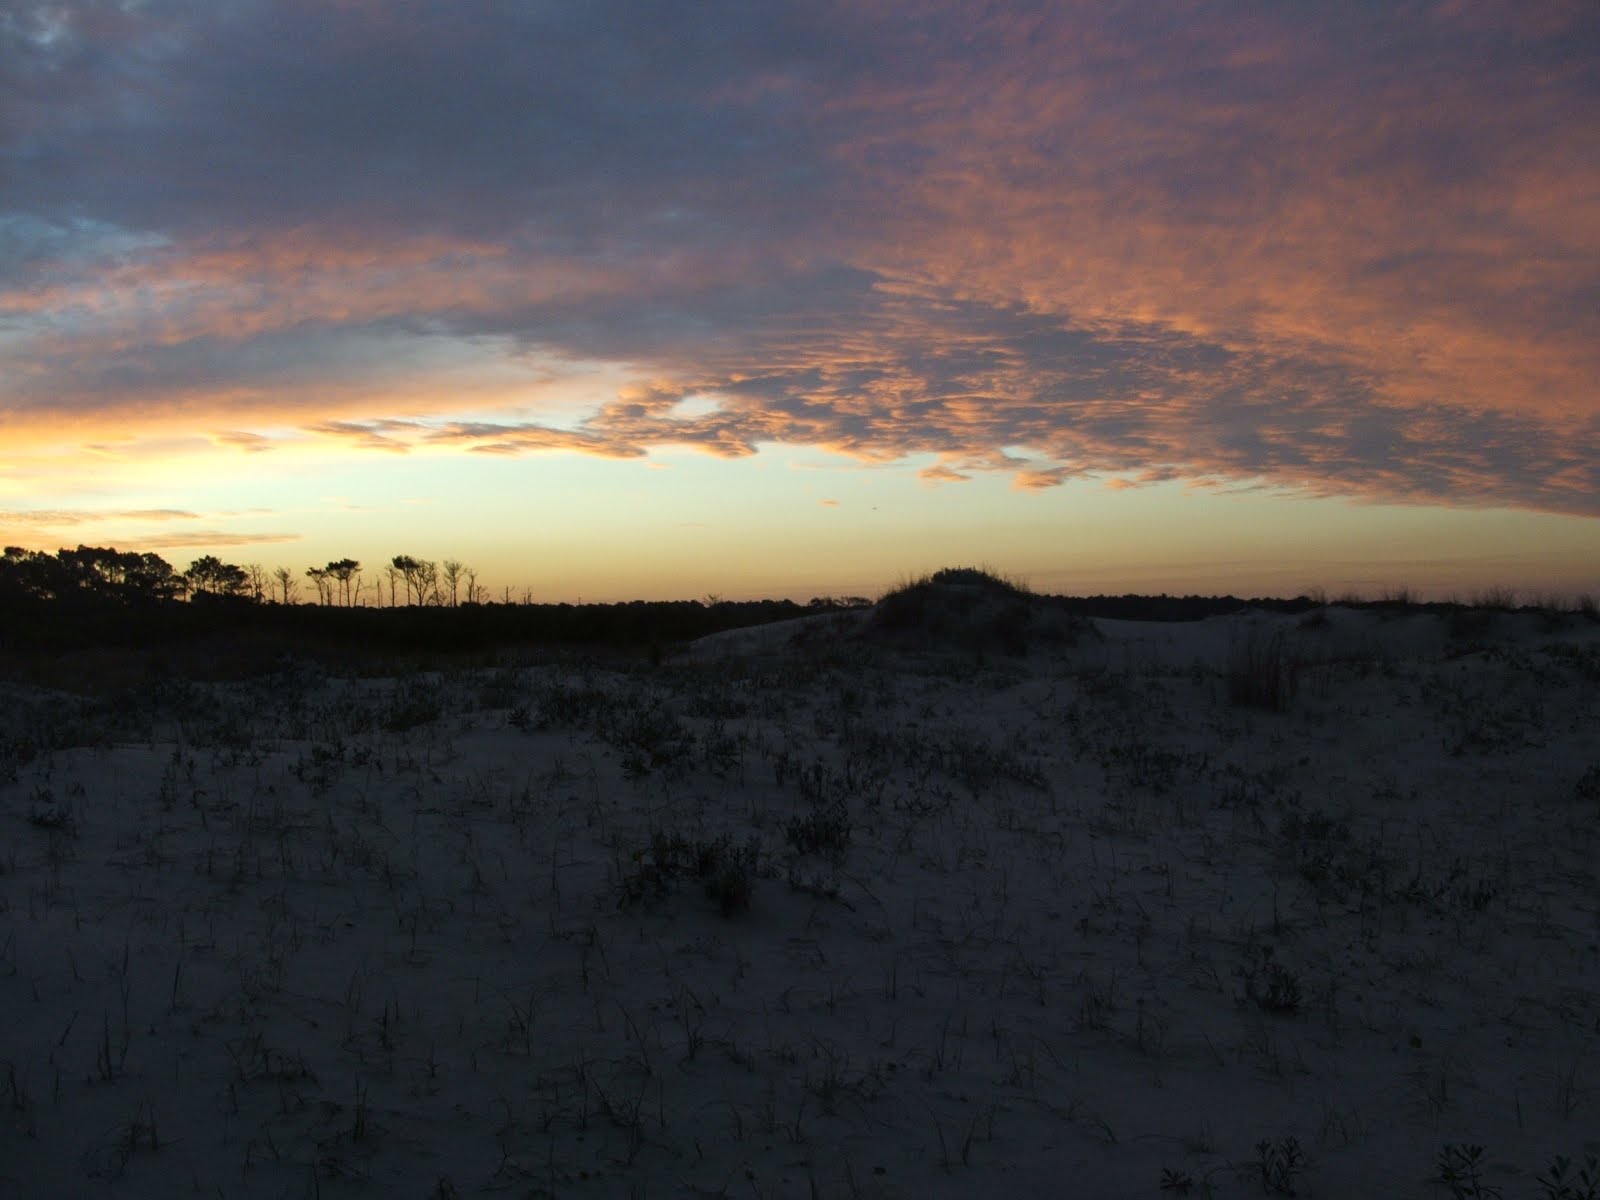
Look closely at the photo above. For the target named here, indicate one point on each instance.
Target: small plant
(1587, 789)
(1180, 1183)
(650, 738)
(1461, 1167)
(412, 703)
(51, 816)
(730, 886)
(1560, 1182)
(17, 1094)
(1274, 987)
(822, 829)
(726, 870)
(1279, 1162)
(1501, 598)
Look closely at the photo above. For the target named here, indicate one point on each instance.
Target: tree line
(132, 577)
(250, 619)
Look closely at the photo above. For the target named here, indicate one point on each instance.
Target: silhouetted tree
(452, 577)
(344, 571)
(257, 576)
(319, 576)
(422, 579)
(86, 568)
(33, 573)
(151, 576)
(407, 566)
(392, 573)
(288, 585)
(209, 575)
(103, 571)
(428, 582)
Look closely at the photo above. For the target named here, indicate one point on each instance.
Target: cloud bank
(1350, 249)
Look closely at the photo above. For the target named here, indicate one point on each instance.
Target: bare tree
(475, 594)
(257, 576)
(392, 573)
(428, 583)
(452, 577)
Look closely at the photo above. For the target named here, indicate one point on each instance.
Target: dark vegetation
(220, 618)
(968, 608)
(235, 619)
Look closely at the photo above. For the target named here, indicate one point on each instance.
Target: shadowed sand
(981, 898)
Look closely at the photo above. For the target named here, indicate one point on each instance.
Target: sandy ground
(812, 918)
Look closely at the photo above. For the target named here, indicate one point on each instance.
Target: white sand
(1092, 922)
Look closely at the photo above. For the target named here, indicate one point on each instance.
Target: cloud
(250, 443)
(479, 437)
(388, 434)
(1348, 249)
(939, 473)
(1028, 480)
(204, 538)
(70, 517)
(40, 526)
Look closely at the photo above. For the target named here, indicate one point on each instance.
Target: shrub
(972, 609)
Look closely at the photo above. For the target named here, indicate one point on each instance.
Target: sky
(665, 300)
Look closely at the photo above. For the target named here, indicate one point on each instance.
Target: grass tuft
(1262, 673)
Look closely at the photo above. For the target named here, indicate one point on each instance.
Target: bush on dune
(971, 608)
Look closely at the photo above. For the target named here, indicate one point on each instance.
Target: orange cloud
(202, 538)
(1038, 480)
(67, 517)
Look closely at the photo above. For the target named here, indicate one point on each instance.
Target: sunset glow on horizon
(659, 301)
